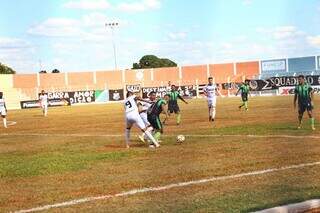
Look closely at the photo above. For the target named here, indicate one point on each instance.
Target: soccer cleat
(239, 107)
(299, 127)
(141, 138)
(313, 128)
(151, 146)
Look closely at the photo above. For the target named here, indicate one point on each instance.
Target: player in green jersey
(160, 106)
(304, 94)
(173, 106)
(245, 91)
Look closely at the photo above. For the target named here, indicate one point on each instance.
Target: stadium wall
(28, 86)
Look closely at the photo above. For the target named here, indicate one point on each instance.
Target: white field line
(296, 207)
(193, 135)
(165, 187)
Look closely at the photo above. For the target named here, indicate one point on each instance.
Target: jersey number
(128, 104)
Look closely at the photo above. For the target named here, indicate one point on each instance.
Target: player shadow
(122, 146)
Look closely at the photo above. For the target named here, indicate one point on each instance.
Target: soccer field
(245, 161)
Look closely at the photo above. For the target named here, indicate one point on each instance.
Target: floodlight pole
(112, 25)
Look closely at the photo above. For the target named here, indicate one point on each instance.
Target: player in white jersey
(144, 106)
(43, 99)
(211, 91)
(3, 110)
(133, 117)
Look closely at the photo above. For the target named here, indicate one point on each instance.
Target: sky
(70, 35)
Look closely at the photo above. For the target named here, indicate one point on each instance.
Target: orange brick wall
(248, 69)
(25, 81)
(113, 79)
(52, 80)
(221, 72)
(80, 78)
(191, 73)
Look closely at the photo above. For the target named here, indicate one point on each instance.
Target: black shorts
(173, 108)
(155, 122)
(244, 97)
(305, 106)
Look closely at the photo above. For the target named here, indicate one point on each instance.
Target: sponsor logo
(273, 65)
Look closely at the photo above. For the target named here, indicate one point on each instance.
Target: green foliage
(152, 61)
(55, 71)
(4, 69)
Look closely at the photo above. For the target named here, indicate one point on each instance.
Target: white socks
(5, 123)
(149, 135)
(213, 112)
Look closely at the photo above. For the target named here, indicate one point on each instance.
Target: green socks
(178, 118)
(157, 136)
(312, 122)
(246, 104)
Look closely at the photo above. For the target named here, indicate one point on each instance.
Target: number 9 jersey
(132, 113)
(131, 105)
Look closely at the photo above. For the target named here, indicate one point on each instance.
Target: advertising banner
(290, 90)
(76, 97)
(80, 97)
(160, 91)
(116, 95)
(188, 91)
(101, 96)
(51, 103)
(133, 88)
(279, 65)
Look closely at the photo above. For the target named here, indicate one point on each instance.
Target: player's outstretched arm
(182, 99)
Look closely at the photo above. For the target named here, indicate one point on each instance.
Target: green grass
(21, 165)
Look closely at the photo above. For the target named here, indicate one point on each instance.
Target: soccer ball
(180, 138)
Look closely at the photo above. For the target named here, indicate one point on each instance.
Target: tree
(152, 61)
(43, 71)
(4, 69)
(55, 71)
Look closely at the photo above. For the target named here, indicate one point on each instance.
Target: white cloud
(13, 43)
(247, 2)
(314, 41)
(139, 6)
(281, 32)
(57, 27)
(177, 35)
(90, 26)
(16, 53)
(88, 5)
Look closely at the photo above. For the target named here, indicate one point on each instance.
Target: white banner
(273, 65)
(290, 90)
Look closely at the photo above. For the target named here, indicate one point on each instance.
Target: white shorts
(3, 112)
(134, 118)
(144, 117)
(44, 106)
(212, 102)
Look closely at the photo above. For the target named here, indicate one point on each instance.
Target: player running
(245, 91)
(211, 91)
(133, 117)
(3, 110)
(173, 106)
(143, 108)
(304, 94)
(43, 99)
(154, 115)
